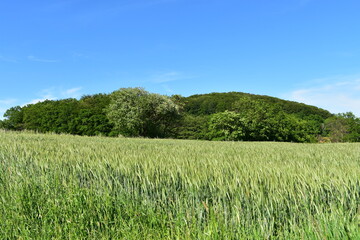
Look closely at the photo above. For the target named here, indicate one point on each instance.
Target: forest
(232, 116)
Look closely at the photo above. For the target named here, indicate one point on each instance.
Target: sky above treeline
(302, 50)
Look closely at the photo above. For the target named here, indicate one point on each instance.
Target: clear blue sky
(302, 50)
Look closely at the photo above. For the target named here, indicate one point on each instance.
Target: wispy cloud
(35, 59)
(45, 94)
(111, 9)
(76, 55)
(336, 94)
(170, 76)
(37, 100)
(346, 54)
(59, 5)
(304, 2)
(7, 59)
(153, 2)
(56, 93)
(72, 92)
(2, 112)
(6, 104)
(141, 4)
(51, 6)
(7, 101)
(167, 89)
(290, 6)
(53, 93)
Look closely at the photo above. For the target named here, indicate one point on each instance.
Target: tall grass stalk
(70, 187)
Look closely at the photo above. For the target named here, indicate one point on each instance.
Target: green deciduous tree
(191, 127)
(91, 119)
(14, 118)
(51, 116)
(228, 126)
(343, 127)
(136, 112)
(264, 121)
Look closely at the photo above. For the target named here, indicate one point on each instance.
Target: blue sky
(301, 50)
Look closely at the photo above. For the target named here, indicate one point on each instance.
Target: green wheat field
(71, 187)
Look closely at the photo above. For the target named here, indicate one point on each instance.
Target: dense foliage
(82, 117)
(206, 104)
(136, 112)
(231, 116)
(71, 187)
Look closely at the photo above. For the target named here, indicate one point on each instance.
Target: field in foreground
(69, 187)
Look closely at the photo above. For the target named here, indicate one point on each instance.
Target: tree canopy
(232, 116)
(136, 112)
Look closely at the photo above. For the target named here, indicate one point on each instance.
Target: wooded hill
(234, 116)
(206, 104)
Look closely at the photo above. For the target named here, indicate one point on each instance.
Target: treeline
(81, 117)
(229, 116)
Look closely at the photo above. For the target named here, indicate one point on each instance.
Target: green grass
(70, 187)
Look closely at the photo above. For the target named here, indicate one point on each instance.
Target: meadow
(72, 187)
